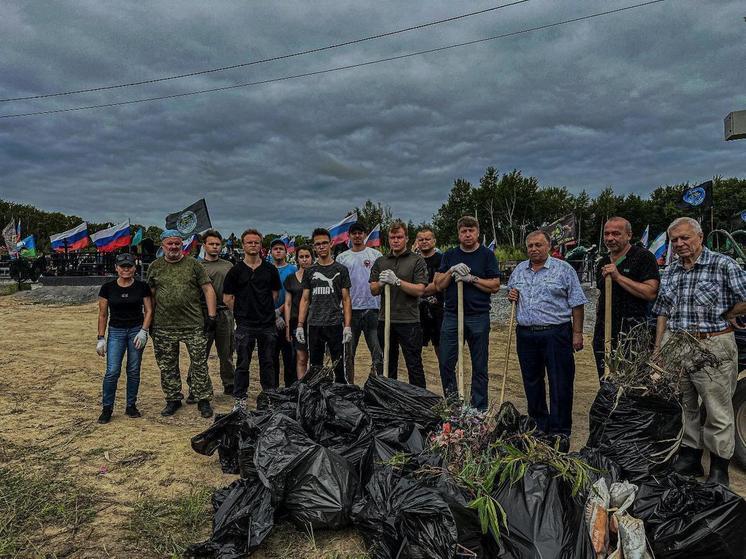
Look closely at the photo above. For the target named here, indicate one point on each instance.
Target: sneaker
(132, 411)
(105, 414)
(239, 403)
(191, 399)
(228, 390)
(171, 407)
(204, 407)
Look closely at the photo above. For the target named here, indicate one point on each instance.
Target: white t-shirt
(359, 265)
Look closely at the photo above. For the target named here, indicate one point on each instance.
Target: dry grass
(50, 390)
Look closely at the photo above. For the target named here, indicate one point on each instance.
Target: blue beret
(168, 233)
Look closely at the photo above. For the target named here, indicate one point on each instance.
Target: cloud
(632, 100)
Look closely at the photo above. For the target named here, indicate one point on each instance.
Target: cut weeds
(165, 527)
(40, 509)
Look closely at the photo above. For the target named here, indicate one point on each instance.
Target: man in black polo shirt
(635, 280)
(250, 290)
(406, 273)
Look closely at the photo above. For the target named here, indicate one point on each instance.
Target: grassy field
(134, 488)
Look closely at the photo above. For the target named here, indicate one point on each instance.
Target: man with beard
(177, 282)
(635, 279)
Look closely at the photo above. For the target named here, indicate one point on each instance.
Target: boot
(689, 462)
(718, 470)
(190, 398)
(171, 407)
(105, 414)
(132, 411)
(204, 407)
(228, 390)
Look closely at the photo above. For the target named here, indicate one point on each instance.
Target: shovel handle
(386, 327)
(460, 289)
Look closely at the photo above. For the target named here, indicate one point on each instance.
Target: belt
(704, 335)
(542, 328)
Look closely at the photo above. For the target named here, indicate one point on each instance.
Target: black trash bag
(404, 519)
(250, 432)
(509, 421)
(391, 401)
(310, 483)
(281, 400)
(244, 517)
(544, 520)
(637, 432)
(685, 519)
(224, 436)
(384, 444)
(604, 466)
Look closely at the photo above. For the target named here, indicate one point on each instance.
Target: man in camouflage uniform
(177, 281)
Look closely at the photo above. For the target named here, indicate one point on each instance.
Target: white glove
(141, 338)
(389, 277)
(346, 335)
(300, 335)
(468, 278)
(460, 269)
(279, 320)
(101, 347)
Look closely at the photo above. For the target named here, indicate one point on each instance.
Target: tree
(460, 202)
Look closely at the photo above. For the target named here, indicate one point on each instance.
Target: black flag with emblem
(699, 196)
(191, 220)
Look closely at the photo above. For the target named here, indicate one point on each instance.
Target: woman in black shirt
(121, 302)
(293, 294)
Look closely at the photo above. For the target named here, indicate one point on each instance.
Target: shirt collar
(705, 258)
(547, 264)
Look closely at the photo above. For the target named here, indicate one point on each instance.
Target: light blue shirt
(548, 295)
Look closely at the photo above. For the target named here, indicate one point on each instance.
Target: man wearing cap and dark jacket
(178, 282)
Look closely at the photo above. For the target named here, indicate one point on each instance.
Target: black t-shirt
(253, 306)
(125, 303)
(433, 264)
(325, 284)
(639, 265)
(294, 287)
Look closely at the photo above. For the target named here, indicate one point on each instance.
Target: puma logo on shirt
(322, 290)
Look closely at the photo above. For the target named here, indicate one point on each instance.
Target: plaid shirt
(696, 299)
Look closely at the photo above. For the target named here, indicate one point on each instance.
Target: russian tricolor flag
(72, 239)
(374, 237)
(658, 246)
(291, 246)
(340, 232)
(188, 244)
(108, 240)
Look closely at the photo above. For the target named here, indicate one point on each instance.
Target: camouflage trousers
(166, 349)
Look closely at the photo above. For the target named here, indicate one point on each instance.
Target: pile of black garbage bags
(319, 454)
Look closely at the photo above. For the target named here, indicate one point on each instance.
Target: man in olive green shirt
(177, 282)
(216, 269)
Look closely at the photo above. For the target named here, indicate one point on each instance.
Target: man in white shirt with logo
(365, 306)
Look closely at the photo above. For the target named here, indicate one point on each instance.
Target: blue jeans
(477, 335)
(121, 340)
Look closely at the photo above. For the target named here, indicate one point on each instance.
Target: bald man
(635, 280)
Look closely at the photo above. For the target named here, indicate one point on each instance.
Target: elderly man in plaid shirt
(701, 293)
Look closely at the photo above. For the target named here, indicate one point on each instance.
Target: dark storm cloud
(633, 101)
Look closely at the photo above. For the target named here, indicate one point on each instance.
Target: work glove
(389, 277)
(211, 324)
(300, 335)
(141, 338)
(468, 278)
(346, 335)
(279, 321)
(460, 269)
(101, 347)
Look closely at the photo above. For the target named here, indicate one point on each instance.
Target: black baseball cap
(125, 259)
(277, 241)
(357, 226)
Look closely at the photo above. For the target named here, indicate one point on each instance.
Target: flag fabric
(190, 220)
(27, 247)
(699, 196)
(340, 232)
(492, 245)
(201, 255)
(188, 244)
(291, 246)
(10, 236)
(669, 253)
(137, 238)
(561, 231)
(658, 246)
(72, 239)
(112, 238)
(374, 237)
(645, 237)
(18, 230)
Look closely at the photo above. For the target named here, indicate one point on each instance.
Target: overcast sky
(633, 100)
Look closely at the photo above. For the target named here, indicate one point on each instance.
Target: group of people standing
(322, 305)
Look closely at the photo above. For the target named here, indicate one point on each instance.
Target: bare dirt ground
(50, 390)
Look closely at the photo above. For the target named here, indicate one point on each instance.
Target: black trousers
(246, 339)
(408, 336)
(318, 338)
(284, 347)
